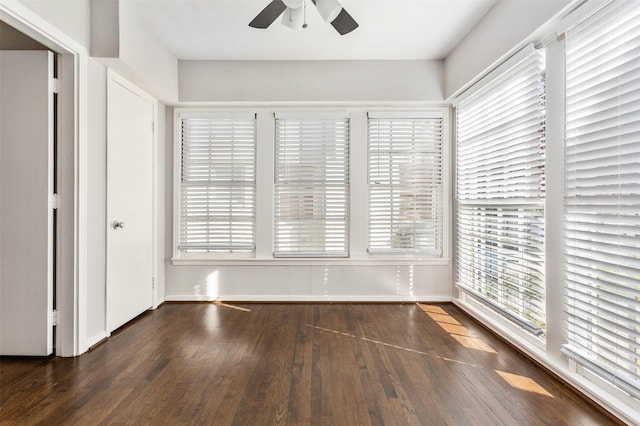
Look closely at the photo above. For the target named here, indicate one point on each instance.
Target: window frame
(358, 197)
(178, 252)
(601, 269)
(306, 124)
(519, 204)
(439, 189)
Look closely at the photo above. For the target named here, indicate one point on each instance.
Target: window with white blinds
(500, 193)
(405, 183)
(311, 185)
(602, 200)
(217, 183)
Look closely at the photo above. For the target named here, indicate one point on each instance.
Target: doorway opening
(22, 29)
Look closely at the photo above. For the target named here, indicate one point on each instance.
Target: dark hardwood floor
(307, 364)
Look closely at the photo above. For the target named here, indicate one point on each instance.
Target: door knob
(117, 225)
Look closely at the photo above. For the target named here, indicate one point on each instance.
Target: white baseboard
(305, 298)
(97, 338)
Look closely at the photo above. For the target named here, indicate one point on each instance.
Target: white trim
(401, 114)
(97, 338)
(118, 78)
(577, 12)
(447, 178)
(384, 261)
(265, 188)
(304, 115)
(71, 336)
(224, 114)
(495, 74)
(81, 207)
(328, 106)
(159, 226)
(176, 171)
(554, 198)
(307, 299)
(570, 15)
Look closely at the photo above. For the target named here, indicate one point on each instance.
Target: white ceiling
(389, 29)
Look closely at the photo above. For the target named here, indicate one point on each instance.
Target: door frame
(113, 76)
(71, 244)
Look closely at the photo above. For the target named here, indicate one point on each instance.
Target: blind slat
(405, 183)
(311, 185)
(602, 200)
(217, 183)
(500, 192)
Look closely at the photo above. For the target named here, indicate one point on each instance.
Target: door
(26, 203)
(130, 117)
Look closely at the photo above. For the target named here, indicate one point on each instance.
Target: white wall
(160, 202)
(310, 81)
(309, 283)
(299, 83)
(148, 63)
(69, 16)
(507, 24)
(359, 278)
(96, 214)
(125, 46)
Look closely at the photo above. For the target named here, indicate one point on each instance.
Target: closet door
(26, 203)
(130, 117)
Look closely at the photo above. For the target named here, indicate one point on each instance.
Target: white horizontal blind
(217, 184)
(405, 184)
(500, 193)
(603, 194)
(311, 186)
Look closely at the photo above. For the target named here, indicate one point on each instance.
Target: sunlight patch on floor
(473, 343)
(226, 305)
(330, 331)
(523, 383)
(438, 314)
(455, 361)
(455, 329)
(378, 342)
(365, 339)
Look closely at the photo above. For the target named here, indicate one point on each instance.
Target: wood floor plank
(306, 364)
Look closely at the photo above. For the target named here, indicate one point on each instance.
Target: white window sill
(368, 261)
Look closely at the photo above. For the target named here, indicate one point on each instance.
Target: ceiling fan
(295, 15)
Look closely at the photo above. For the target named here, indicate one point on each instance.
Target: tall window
(217, 183)
(602, 200)
(405, 183)
(312, 185)
(500, 193)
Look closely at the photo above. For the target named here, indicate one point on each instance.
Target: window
(311, 185)
(405, 183)
(276, 185)
(217, 183)
(602, 199)
(500, 192)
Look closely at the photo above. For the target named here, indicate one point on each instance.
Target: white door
(26, 210)
(129, 202)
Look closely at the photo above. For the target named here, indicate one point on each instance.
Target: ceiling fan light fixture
(293, 4)
(294, 18)
(328, 9)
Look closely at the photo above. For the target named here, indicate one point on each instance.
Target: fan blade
(268, 14)
(344, 23)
